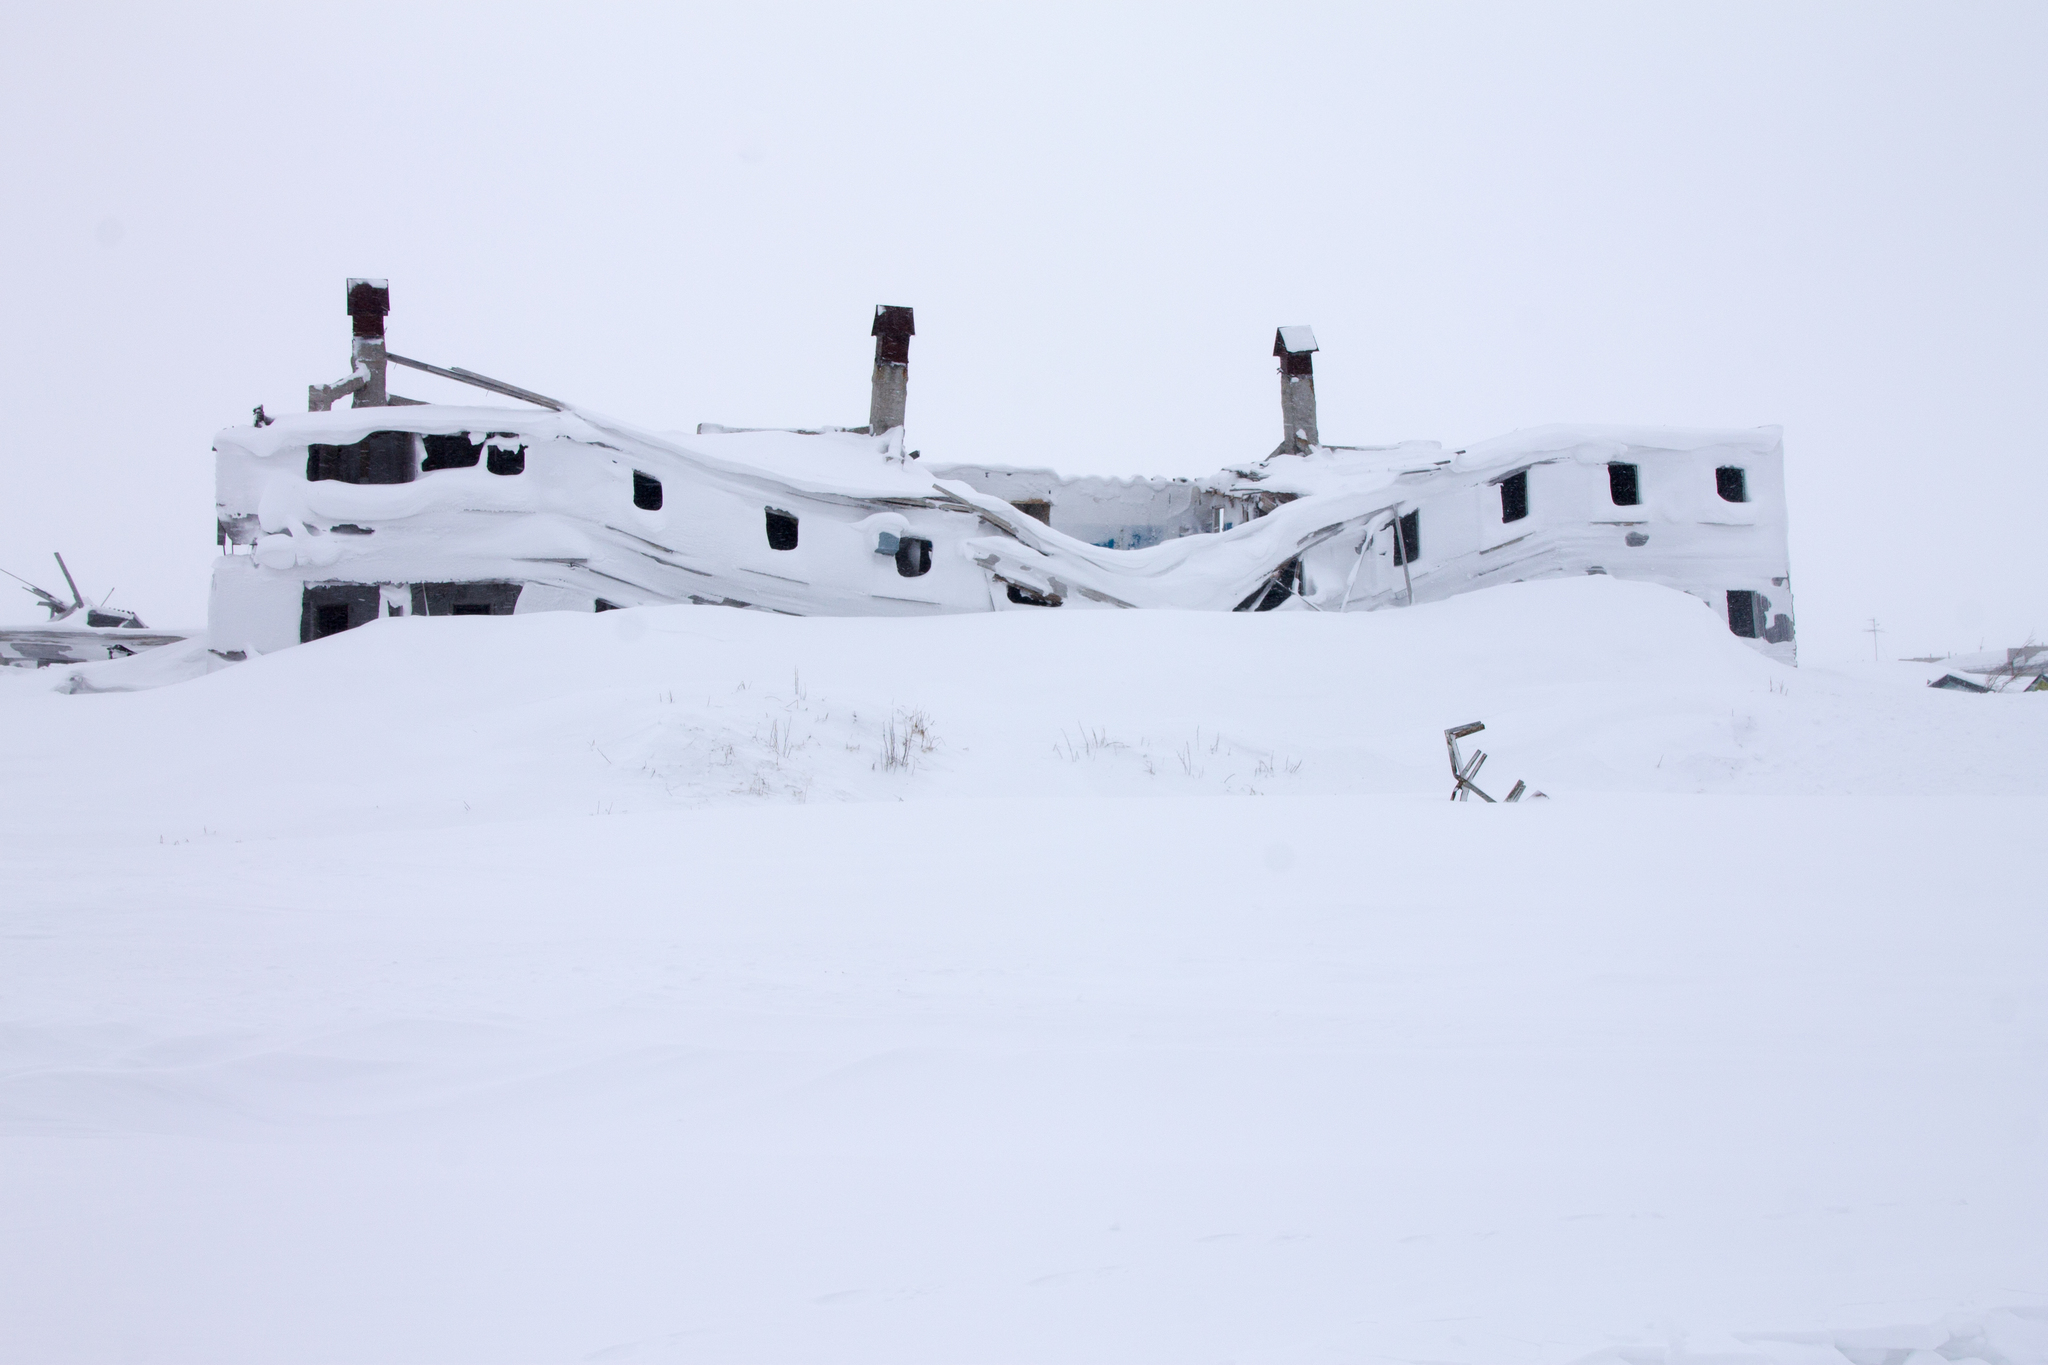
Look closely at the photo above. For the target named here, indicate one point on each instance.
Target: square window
(1408, 543)
(1514, 496)
(465, 599)
(1731, 484)
(331, 608)
(1742, 612)
(1622, 485)
(913, 557)
(452, 451)
(380, 457)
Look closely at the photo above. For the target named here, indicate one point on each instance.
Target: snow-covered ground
(687, 984)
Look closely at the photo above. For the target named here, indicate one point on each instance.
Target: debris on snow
(1464, 770)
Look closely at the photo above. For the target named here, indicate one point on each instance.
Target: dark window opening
(1514, 496)
(465, 599)
(646, 492)
(603, 605)
(1742, 612)
(913, 557)
(1282, 585)
(1039, 509)
(1408, 544)
(454, 451)
(1622, 485)
(781, 530)
(1731, 484)
(1027, 597)
(331, 608)
(512, 460)
(380, 457)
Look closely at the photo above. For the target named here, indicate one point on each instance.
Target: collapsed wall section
(1113, 513)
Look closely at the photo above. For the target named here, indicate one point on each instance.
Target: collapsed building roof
(338, 515)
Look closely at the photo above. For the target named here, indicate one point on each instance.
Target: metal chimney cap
(1294, 340)
(893, 320)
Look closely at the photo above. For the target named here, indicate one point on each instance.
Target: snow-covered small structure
(2023, 661)
(77, 631)
(393, 507)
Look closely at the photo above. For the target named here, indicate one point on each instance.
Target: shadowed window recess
(1514, 496)
(1731, 484)
(1622, 486)
(913, 557)
(1285, 582)
(781, 530)
(1742, 612)
(457, 450)
(380, 457)
(1408, 544)
(331, 608)
(452, 451)
(490, 598)
(646, 492)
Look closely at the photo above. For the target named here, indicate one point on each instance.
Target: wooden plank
(475, 380)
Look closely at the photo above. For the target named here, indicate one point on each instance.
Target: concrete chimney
(892, 332)
(369, 301)
(1296, 346)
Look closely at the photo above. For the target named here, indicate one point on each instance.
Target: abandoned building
(392, 507)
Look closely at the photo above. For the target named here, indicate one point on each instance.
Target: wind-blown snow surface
(562, 987)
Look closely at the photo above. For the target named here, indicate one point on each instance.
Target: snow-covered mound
(686, 984)
(448, 720)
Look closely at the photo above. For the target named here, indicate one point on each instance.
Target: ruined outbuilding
(77, 631)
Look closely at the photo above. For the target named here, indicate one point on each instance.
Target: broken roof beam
(481, 381)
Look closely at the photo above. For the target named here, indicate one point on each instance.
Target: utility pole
(1874, 632)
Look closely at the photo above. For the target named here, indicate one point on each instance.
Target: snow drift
(685, 984)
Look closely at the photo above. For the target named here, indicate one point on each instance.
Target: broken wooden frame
(1463, 770)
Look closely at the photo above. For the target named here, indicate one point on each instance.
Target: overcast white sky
(1829, 217)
